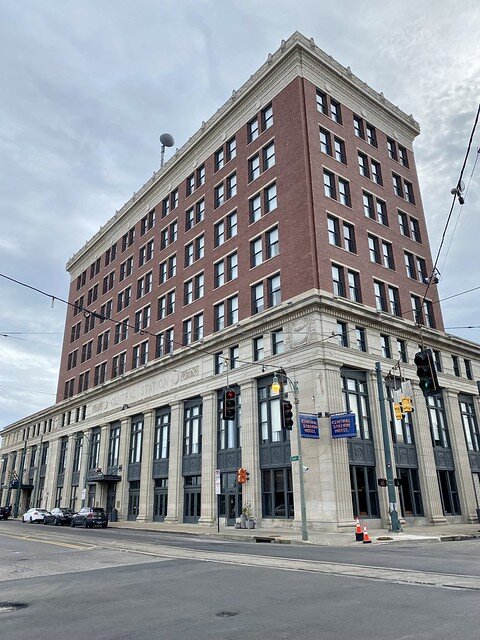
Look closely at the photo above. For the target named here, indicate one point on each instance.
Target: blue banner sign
(343, 425)
(308, 425)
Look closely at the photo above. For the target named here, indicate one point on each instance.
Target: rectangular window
(268, 153)
(219, 198)
(342, 334)
(219, 159)
(354, 292)
(338, 280)
(386, 348)
(380, 297)
(339, 150)
(267, 117)
(329, 184)
(254, 168)
(257, 298)
(335, 111)
(387, 252)
(363, 165)
(371, 135)
(192, 421)
(258, 348)
(344, 192)
(274, 290)
(325, 142)
(360, 338)
(322, 102)
(231, 148)
(358, 127)
(252, 130)
(456, 366)
(231, 186)
(277, 342)
(394, 301)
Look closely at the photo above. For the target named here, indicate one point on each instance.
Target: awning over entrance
(103, 477)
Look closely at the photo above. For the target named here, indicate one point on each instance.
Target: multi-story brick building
(288, 233)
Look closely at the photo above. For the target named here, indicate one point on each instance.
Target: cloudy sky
(87, 88)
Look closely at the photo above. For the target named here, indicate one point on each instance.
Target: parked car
(35, 515)
(5, 512)
(59, 516)
(88, 517)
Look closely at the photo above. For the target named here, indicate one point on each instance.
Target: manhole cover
(12, 606)
(226, 614)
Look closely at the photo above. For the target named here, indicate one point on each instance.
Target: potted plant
(247, 515)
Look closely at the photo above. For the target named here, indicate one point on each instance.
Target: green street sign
(294, 458)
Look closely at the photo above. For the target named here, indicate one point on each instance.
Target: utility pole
(392, 500)
(276, 387)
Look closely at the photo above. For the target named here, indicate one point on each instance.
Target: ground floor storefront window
(409, 492)
(192, 500)
(277, 493)
(449, 493)
(160, 499)
(133, 500)
(364, 492)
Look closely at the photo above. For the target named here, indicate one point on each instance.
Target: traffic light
(242, 475)
(407, 404)
(229, 409)
(426, 372)
(287, 415)
(397, 410)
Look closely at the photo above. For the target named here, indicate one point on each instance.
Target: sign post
(218, 490)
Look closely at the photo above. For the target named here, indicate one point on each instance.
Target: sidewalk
(441, 533)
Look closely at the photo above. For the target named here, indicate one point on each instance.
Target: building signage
(309, 425)
(218, 489)
(343, 425)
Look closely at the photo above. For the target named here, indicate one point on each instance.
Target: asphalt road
(129, 585)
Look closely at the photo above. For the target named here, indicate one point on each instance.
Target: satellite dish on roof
(166, 140)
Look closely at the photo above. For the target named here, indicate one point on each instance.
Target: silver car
(35, 515)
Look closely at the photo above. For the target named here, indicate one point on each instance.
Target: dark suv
(88, 517)
(5, 512)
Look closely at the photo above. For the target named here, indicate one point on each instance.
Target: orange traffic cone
(366, 537)
(358, 532)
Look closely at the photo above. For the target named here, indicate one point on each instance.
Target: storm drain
(12, 606)
(226, 614)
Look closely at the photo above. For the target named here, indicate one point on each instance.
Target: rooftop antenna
(167, 141)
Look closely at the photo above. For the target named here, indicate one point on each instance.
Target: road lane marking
(45, 541)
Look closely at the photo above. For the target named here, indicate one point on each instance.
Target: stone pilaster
(330, 387)
(145, 511)
(432, 503)
(50, 479)
(175, 478)
(67, 476)
(209, 456)
(249, 442)
(123, 452)
(463, 474)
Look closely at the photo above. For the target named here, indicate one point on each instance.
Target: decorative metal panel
(229, 459)
(43, 470)
(134, 471)
(275, 454)
(160, 468)
(405, 455)
(75, 478)
(444, 459)
(60, 478)
(474, 457)
(31, 473)
(361, 452)
(114, 470)
(192, 465)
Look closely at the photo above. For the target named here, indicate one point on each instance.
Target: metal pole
(392, 509)
(300, 463)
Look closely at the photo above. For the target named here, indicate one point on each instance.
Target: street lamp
(277, 387)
